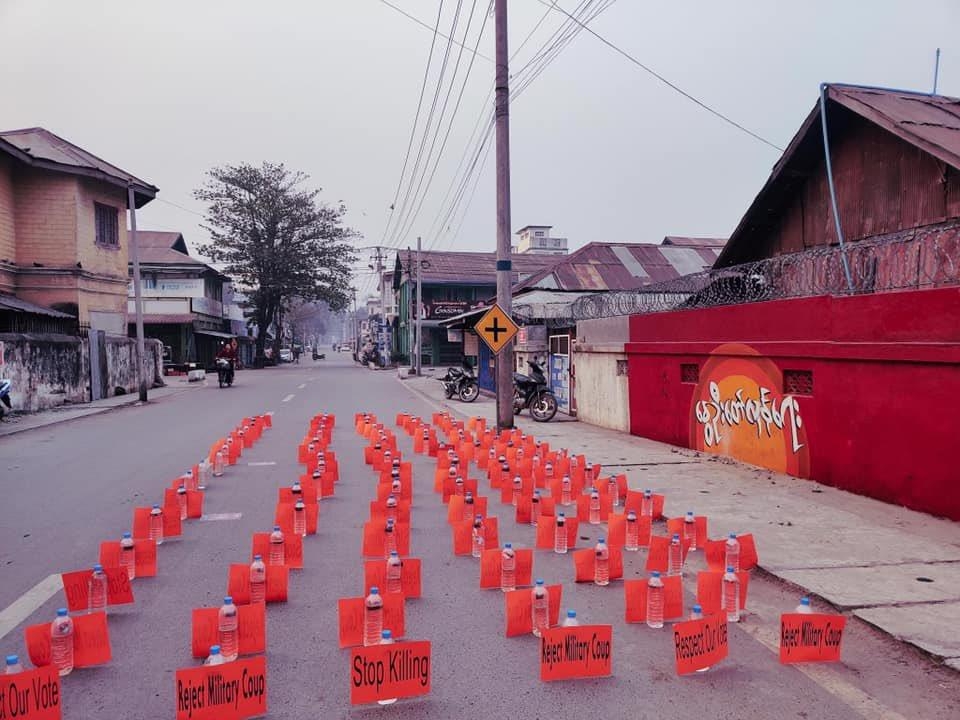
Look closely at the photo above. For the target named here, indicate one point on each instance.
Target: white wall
(602, 395)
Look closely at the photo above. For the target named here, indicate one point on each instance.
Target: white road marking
(24, 606)
(263, 463)
(288, 398)
(214, 517)
(301, 387)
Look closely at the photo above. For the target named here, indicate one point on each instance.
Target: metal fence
(921, 258)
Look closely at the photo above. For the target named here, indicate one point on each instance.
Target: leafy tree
(276, 239)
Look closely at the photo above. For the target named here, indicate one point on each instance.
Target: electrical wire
(421, 23)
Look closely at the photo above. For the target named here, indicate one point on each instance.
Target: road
(67, 487)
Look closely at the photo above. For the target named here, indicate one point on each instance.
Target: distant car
(346, 348)
(286, 355)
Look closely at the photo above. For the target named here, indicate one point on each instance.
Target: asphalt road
(67, 487)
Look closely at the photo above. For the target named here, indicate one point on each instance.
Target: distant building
(536, 240)
(63, 228)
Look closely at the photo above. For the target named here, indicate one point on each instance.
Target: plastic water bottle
(560, 536)
(535, 507)
(548, 472)
(731, 595)
(386, 638)
(61, 642)
(277, 549)
(13, 665)
(300, 519)
(97, 590)
(258, 580)
(613, 488)
(190, 481)
(182, 501)
(389, 539)
(296, 489)
(395, 486)
(391, 507)
(394, 572)
(571, 619)
(373, 618)
(594, 506)
(477, 536)
(646, 504)
(219, 461)
(690, 529)
(588, 476)
(675, 556)
(565, 487)
(517, 489)
(655, 601)
(696, 613)
(156, 525)
(128, 558)
(540, 601)
(467, 506)
(203, 481)
(227, 625)
(632, 533)
(731, 552)
(458, 485)
(215, 657)
(508, 568)
(804, 607)
(601, 567)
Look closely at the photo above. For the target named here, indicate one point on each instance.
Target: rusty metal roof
(601, 266)
(41, 148)
(468, 268)
(15, 304)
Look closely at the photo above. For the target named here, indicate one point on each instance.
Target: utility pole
(504, 360)
(137, 295)
(419, 308)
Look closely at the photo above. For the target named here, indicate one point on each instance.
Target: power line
(181, 207)
(553, 5)
(420, 22)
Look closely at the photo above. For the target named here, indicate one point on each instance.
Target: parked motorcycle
(224, 372)
(5, 386)
(531, 391)
(461, 382)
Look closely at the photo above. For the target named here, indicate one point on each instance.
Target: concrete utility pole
(419, 308)
(137, 296)
(504, 361)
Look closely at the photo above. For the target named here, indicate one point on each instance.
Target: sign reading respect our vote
(382, 672)
(700, 643)
(582, 651)
(31, 695)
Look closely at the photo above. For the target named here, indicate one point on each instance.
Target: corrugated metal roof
(38, 146)
(620, 266)
(164, 248)
(15, 304)
(469, 268)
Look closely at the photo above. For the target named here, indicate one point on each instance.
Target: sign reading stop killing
(382, 672)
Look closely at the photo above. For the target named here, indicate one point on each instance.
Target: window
(621, 368)
(108, 232)
(149, 281)
(538, 233)
(689, 373)
(797, 382)
(557, 242)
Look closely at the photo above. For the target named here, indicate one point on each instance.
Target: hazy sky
(601, 150)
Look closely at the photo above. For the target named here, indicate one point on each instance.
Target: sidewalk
(894, 568)
(20, 422)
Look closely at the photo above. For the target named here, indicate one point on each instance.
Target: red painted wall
(882, 419)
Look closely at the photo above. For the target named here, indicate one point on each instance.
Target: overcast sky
(601, 150)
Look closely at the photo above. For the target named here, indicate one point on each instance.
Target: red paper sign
(635, 593)
(490, 567)
(231, 691)
(375, 575)
(576, 652)
(518, 606)
(91, 641)
(381, 672)
(658, 556)
(31, 695)
(351, 618)
(710, 591)
(141, 522)
(455, 511)
(634, 500)
(677, 525)
(700, 643)
(810, 637)
(251, 630)
(292, 549)
(585, 562)
(463, 535)
(283, 516)
(144, 554)
(546, 532)
(373, 538)
(76, 586)
(238, 583)
(583, 507)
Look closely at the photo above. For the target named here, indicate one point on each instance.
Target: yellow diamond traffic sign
(496, 329)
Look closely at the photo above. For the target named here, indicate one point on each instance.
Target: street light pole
(504, 360)
(419, 309)
(137, 295)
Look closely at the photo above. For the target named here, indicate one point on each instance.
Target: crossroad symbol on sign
(496, 329)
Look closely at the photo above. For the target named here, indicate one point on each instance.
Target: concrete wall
(601, 387)
(50, 370)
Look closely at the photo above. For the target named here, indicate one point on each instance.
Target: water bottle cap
(508, 546)
(479, 517)
(571, 613)
(805, 601)
(599, 540)
(156, 507)
(61, 612)
(374, 590)
(394, 553)
(676, 536)
(257, 557)
(732, 536)
(386, 635)
(560, 514)
(729, 568)
(228, 600)
(98, 568)
(697, 609)
(182, 487)
(536, 493)
(126, 535)
(655, 573)
(539, 581)
(276, 528)
(214, 649)
(647, 492)
(13, 660)
(631, 514)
